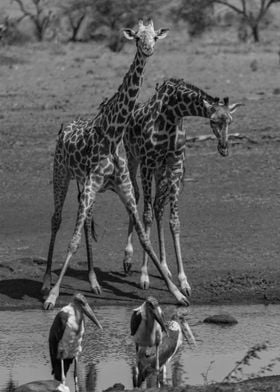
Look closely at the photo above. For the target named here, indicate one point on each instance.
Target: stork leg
(76, 374)
(157, 366)
(63, 378)
(164, 374)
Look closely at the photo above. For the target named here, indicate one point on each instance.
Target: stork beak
(159, 318)
(187, 332)
(89, 312)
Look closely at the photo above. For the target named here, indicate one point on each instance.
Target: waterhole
(108, 355)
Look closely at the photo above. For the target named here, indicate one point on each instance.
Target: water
(108, 355)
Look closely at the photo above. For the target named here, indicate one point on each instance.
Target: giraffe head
(145, 36)
(220, 114)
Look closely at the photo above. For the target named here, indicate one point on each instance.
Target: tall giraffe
(88, 151)
(158, 146)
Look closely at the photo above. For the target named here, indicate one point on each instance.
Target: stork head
(81, 303)
(220, 114)
(154, 310)
(145, 36)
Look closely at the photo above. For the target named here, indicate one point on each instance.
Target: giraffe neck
(116, 111)
(191, 105)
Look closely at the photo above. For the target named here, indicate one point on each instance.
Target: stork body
(177, 328)
(66, 335)
(147, 324)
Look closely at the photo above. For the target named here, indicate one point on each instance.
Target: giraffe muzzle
(223, 149)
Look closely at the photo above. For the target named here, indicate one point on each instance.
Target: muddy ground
(229, 207)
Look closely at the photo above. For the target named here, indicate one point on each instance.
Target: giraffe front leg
(128, 253)
(175, 230)
(61, 182)
(162, 190)
(86, 202)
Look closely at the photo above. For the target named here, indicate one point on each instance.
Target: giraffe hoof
(96, 290)
(186, 290)
(49, 304)
(184, 301)
(144, 284)
(127, 267)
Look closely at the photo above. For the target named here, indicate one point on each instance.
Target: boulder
(222, 318)
(43, 386)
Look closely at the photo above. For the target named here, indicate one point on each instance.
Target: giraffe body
(88, 151)
(157, 145)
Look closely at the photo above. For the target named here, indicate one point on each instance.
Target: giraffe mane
(181, 82)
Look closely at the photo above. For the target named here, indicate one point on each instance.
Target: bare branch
(23, 10)
(233, 7)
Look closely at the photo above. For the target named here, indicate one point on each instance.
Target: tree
(249, 17)
(116, 14)
(197, 13)
(76, 12)
(40, 16)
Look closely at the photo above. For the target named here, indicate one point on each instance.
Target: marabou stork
(66, 334)
(177, 328)
(146, 325)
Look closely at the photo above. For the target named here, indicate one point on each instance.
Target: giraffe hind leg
(61, 182)
(89, 235)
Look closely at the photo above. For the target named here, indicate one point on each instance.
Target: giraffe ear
(161, 33)
(129, 33)
(234, 106)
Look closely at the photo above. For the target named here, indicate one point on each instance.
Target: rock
(42, 386)
(222, 318)
(116, 387)
(276, 91)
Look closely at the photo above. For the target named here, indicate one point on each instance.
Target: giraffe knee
(174, 225)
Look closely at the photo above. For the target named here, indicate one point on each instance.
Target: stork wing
(135, 321)
(56, 333)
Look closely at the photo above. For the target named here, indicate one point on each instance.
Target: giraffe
(88, 151)
(158, 146)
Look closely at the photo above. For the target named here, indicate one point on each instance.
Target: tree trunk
(255, 32)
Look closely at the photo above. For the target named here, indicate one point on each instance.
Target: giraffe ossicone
(88, 151)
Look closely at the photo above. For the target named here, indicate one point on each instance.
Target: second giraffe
(158, 144)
